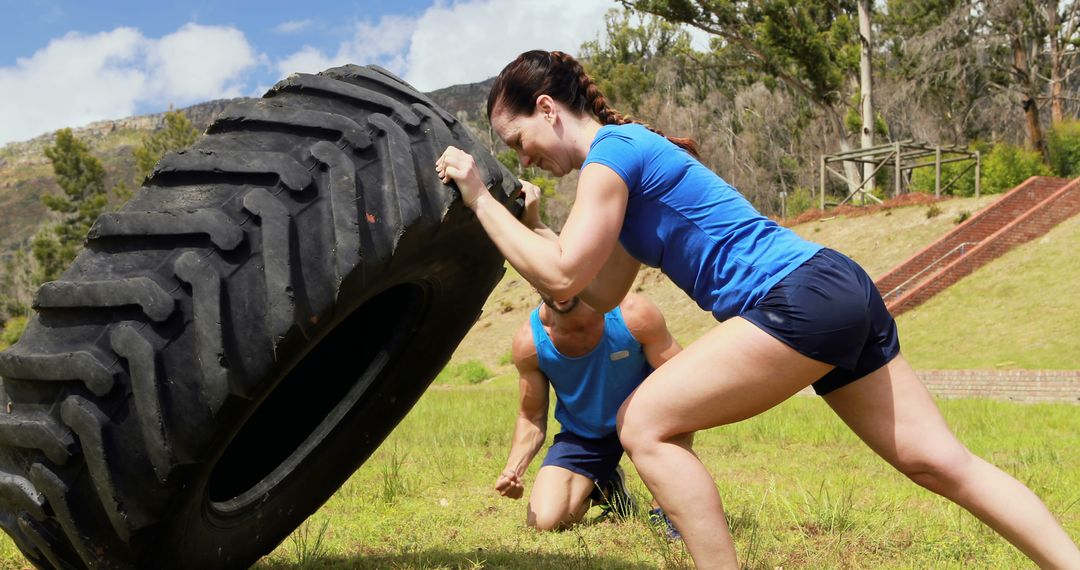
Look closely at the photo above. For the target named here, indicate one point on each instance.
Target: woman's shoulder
(626, 136)
(629, 131)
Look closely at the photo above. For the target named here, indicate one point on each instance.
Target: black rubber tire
(237, 340)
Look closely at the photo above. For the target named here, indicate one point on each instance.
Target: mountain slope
(26, 174)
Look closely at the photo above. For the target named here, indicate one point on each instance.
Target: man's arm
(531, 426)
(648, 326)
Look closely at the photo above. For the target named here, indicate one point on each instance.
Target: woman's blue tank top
(684, 219)
(590, 388)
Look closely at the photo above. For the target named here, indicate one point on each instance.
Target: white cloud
(293, 26)
(80, 78)
(471, 41)
(384, 43)
(307, 60)
(460, 42)
(74, 80)
(199, 62)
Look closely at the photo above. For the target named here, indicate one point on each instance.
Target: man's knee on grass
(549, 518)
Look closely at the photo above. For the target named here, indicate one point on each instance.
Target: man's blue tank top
(590, 388)
(684, 219)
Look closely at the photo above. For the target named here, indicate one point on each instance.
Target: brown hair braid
(561, 77)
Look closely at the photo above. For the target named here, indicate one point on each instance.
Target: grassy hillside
(883, 240)
(1012, 313)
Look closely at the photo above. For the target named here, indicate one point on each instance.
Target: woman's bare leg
(894, 414)
(733, 372)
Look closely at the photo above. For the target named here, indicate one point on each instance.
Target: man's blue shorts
(593, 458)
(830, 310)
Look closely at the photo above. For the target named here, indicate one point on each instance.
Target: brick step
(1034, 223)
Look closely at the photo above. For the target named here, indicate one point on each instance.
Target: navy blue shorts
(593, 458)
(830, 310)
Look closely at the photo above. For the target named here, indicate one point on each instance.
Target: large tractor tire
(243, 334)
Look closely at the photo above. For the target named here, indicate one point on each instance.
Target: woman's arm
(608, 288)
(614, 279)
(562, 268)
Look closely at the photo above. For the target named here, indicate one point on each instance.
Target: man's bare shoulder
(523, 347)
(642, 317)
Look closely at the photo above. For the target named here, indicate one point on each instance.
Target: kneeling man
(593, 361)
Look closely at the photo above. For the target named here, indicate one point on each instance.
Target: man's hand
(459, 166)
(509, 484)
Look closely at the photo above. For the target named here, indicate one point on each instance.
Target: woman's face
(535, 138)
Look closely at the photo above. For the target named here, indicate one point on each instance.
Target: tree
(624, 65)
(1063, 23)
(1021, 32)
(1027, 37)
(177, 133)
(810, 47)
(866, 82)
(932, 63)
(11, 331)
(82, 179)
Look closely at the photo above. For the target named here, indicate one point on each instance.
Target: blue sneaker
(660, 521)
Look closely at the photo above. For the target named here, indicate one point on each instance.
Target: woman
(791, 312)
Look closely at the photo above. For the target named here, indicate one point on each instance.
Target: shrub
(933, 211)
(799, 201)
(961, 217)
(922, 179)
(11, 332)
(468, 372)
(1064, 146)
(1008, 165)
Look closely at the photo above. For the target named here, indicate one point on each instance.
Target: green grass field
(801, 492)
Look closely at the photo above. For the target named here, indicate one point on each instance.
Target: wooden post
(978, 172)
(899, 172)
(937, 171)
(822, 183)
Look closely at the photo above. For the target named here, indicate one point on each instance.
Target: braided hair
(561, 77)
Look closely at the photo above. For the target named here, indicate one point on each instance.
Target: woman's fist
(456, 165)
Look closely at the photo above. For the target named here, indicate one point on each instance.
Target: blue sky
(68, 62)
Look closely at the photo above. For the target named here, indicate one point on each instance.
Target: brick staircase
(1021, 215)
